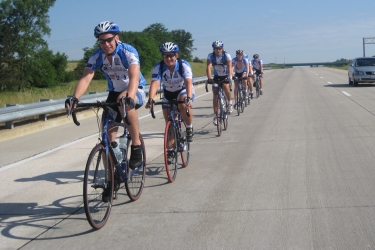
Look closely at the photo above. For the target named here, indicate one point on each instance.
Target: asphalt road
(294, 171)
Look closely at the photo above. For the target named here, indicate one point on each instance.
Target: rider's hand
(210, 81)
(128, 101)
(233, 78)
(150, 103)
(71, 101)
(188, 101)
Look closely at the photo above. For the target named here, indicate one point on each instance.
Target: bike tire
(218, 117)
(135, 181)
(170, 134)
(248, 96)
(185, 146)
(242, 101)
(257, 88)
(95, 179)
(238, 101)
(225, 114)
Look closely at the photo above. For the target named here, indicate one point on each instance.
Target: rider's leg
(187, 119)
(214, 103)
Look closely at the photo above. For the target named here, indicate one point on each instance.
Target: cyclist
(240, 69)
(119, 63)
(176, 77)
(221, 61)
(257, 64)
(250, 76)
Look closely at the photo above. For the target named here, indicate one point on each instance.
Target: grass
(58, 92)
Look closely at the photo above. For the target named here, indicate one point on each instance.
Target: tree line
(26, 61)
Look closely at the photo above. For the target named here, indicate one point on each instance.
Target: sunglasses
(168, 55)
(218, 48)
(108, 40)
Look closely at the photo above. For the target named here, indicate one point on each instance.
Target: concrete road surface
(294, 171)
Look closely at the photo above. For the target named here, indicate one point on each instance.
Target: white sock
(189, 126)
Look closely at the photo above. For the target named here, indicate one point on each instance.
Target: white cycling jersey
(172, 81)
(116, 72)
(240, 65)
(256, 64)
(220, 63)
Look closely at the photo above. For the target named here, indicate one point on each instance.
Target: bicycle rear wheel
(219, 117)
(98, 174)
(184, 146)
(170, 151)
(135, 180)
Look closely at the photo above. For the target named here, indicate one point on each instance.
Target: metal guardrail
(12, 112)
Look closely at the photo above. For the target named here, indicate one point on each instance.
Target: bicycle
(222, 104)
(104, 171)
(256, 84)
(175, 141)
(241, 95)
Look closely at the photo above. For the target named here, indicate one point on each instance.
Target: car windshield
(365, 62)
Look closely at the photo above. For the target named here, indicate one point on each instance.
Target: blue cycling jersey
(116, 72)
(256, 64)
(240, 65)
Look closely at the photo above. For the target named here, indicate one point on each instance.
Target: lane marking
(346, 93)
(68, 144)
(329, 83)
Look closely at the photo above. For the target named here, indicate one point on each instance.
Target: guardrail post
(9, 124)
(43, 117)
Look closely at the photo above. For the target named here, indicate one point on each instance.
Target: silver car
(362, 70)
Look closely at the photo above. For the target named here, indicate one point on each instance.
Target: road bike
(256, 84)
(104, 172)
(222, 104)
(175, 138)
(240, 95)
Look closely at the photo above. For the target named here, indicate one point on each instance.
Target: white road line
(346, 93)
(329, 83)
(321, 77)
(65, 145)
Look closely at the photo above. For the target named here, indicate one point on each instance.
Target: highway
(294, 171)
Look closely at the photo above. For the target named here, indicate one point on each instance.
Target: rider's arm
(84, 82)
(189, 87)
(133, 71)
(208, 69)
(230, 69)
(153, 89)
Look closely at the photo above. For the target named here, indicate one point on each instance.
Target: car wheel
(350, 81)
(355, 83)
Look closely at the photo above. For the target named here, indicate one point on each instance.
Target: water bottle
(123, 142)
(117, 151)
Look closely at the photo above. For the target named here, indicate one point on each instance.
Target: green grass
(58, 92)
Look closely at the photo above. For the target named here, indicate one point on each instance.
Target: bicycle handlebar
(219, 82)
(171, 102)
(103, 105)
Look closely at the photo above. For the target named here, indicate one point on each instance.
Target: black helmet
(255, 56)
(239, 52)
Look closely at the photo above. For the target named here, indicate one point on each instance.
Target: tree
(25, 23)
(184, 41)
(159, 32)
(146, 46)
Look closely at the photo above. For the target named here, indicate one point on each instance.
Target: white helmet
(106, 27)
(169, 47)
(217, 44)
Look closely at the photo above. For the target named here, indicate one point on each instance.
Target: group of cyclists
(119, 62)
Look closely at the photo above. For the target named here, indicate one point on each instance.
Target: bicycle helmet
(106, 27)
(255, 56)
(169, 47)
(239, 52)
(217, 44)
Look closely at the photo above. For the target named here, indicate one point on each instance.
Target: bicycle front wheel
(224, 114)
(170, 151)
(184, 146)
(238, 104)
(257, 88)
(135, 179)
(97, 180)
(219, 117)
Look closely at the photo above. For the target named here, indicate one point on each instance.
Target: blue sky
(290, 30)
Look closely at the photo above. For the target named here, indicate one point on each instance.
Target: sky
(287, 31)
